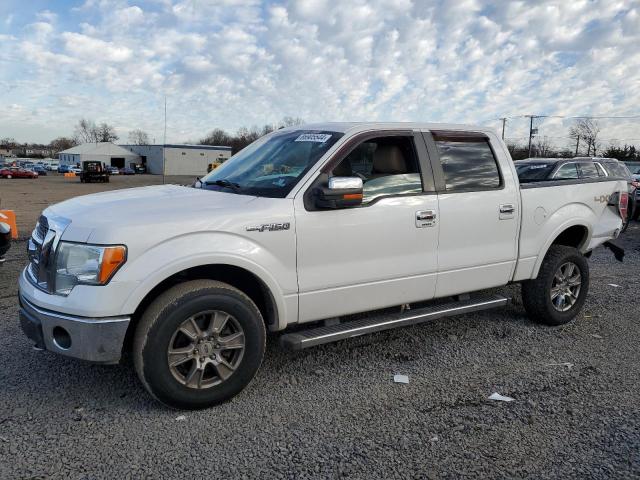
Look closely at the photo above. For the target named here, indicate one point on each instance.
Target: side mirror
(341, 192)
(5, 240)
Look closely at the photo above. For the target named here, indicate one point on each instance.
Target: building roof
(183, 146)
(100, 148)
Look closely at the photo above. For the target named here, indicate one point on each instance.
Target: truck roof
(354, 127)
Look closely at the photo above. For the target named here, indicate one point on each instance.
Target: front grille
(42, 227)
(39, 248)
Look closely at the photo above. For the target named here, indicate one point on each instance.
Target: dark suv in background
(550, 169)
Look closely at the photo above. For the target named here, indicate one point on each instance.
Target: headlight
(81, 264)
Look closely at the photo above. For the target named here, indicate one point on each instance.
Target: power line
(597, 117)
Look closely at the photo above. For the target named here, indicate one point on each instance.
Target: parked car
(40, 170)
(17, 172)
(140, 168)
(614, 167)
(75, 169)
(308, 224)
(53, 167)
(113, 170)
(567, 169)
(127, 171)
(63, 168)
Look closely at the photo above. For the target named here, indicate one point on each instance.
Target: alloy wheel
(206, 349)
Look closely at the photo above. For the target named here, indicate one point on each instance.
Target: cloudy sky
(229, 63)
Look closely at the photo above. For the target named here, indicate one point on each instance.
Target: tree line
(585, 133)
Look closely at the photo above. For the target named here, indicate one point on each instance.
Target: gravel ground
(334, 411)
(28, 197)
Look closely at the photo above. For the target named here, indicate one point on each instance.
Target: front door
(380, 254)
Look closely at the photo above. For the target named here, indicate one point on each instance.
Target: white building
(179, 159)
(105, 152)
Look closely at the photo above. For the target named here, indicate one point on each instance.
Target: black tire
(536, 294)
(163, 318)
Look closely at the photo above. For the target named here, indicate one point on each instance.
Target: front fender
(210, 248)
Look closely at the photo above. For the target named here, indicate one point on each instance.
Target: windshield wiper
(225, 183)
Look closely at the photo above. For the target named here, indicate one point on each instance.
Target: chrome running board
(377, 323)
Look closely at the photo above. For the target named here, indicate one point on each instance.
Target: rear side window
(601, 171)
(468, 164)
(616, 169)
(533, 172)
(568, 171)
(589, 170)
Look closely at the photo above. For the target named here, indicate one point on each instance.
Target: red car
(16, 172)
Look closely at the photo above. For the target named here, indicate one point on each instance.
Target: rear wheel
(199, 344)
(9, 176)
(557, 295)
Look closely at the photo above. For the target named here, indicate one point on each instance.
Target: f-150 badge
(269, 227)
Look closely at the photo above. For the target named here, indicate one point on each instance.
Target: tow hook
(618, 252)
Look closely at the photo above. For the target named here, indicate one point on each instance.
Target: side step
(378, 323)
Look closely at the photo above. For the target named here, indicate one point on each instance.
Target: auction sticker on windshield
(313, 137)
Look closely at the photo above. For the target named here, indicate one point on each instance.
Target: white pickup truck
(308, 225)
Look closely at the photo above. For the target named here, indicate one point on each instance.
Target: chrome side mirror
(345, 183)
(340, 192)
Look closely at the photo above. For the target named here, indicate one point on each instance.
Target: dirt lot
(28, 197)
(334, 411)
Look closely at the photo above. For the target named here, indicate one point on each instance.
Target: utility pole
(504, 122)
(577, 145)
(531, 117)
(164, 142)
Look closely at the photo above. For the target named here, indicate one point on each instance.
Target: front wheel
(557, 295)
(199, 344)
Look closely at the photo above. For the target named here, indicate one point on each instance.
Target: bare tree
(106, 133)
(543, 148)
(138, 137)
(217, 137)
(290, 122)
(87, 131)
(586, 131)
(62, 143)
(8, 143)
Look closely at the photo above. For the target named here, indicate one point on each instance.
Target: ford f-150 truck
(325, 232)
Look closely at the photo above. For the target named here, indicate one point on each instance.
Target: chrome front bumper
(97, 340)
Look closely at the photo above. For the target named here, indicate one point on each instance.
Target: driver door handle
(425, 218)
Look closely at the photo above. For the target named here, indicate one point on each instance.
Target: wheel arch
(239, 277)
(572, 234)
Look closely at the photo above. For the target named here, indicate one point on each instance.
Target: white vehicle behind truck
(307, 225)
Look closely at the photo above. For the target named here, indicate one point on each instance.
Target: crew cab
(320, 232)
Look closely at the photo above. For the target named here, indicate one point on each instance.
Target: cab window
(386, 165)
(589, 170)
(467, 164)
(568, 171)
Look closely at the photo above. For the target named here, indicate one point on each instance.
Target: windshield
(272, 165)
(530, 172)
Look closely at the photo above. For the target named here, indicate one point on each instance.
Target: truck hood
(95, 217)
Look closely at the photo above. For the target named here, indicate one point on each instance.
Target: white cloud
(229, 63)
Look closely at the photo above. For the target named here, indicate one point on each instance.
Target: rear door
(478, 201)
(379, 254)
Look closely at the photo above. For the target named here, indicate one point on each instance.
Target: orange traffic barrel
(9, 217)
